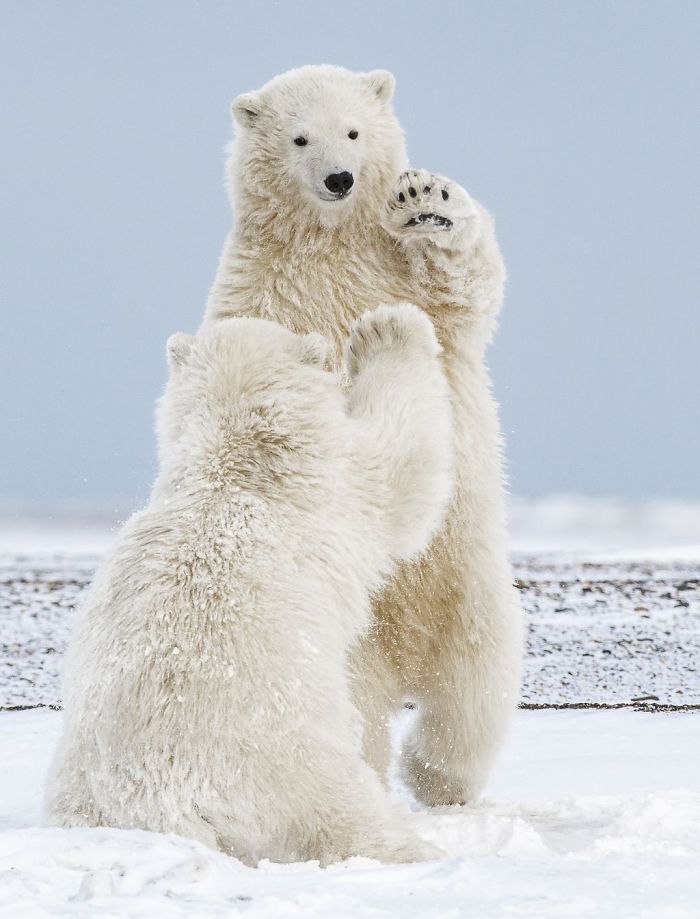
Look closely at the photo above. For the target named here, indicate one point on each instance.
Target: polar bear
(206, 684)
(330, 222)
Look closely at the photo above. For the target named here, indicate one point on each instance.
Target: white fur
(206, 689)
(447, 632)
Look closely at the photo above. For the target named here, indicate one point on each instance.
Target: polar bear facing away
(206, 690)
(331, 222)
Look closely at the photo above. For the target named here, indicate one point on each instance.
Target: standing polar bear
(207, 692)
(329, 223)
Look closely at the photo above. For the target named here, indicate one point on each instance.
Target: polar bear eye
(300, 141)
(353, 135)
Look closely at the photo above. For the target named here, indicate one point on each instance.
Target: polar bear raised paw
(386, 328)
(429, 206)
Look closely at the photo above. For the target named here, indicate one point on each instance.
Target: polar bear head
(317, 141)
(245, 393)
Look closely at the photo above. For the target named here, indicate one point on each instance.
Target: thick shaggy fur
(207, 690)
(447, 632)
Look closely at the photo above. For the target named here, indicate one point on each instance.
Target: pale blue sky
(575, 121)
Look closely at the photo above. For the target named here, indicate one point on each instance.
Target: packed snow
(588, 814)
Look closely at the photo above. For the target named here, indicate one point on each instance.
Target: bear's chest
(328, 293)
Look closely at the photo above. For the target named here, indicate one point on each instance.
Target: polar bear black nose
(339, 183)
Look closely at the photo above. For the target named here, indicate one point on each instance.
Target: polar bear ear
(382, 84)
(246, 109)
(178, 348)
(314, 349)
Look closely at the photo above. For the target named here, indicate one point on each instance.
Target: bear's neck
(268, 453)
(303, 229)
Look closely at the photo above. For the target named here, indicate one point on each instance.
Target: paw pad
(436, 219)
(416, 202)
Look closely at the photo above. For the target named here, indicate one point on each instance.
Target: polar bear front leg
(450, 243)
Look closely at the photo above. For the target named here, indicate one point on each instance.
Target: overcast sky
(576, 123)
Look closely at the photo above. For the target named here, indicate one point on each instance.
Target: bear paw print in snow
(388, 328)
(425, 204)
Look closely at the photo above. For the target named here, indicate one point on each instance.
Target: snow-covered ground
(593, 814)
(559, 524)
(588, 814)
(605, 528)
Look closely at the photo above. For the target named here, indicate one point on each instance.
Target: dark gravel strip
(607, 634)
